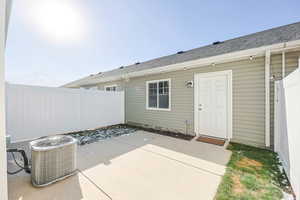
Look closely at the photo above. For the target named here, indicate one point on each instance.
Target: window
(89, 88)
(111, 88)
(158, 95)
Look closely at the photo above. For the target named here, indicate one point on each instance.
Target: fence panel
(287, 126)
(32, 112)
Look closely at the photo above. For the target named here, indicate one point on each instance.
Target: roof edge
(223, 58)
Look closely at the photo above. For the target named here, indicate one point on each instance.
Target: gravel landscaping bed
(163, 132)
(90, 136)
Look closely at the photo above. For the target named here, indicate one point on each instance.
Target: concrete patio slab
(139, 138)
(138, 166)
(201, 155)
(76, 187)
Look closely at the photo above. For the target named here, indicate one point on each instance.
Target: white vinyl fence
(32, 112)
(287, 126)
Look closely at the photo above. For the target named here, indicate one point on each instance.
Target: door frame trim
(228, 73)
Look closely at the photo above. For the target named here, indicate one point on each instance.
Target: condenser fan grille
(53, 159)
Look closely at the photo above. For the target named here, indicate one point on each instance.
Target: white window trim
(107, 86)
(147, 98)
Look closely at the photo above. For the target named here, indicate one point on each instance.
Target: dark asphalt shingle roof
(268, 37)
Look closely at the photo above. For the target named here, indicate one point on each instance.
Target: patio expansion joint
(92, 182)
(173, 159)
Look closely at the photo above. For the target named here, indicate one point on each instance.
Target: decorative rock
(90, 136)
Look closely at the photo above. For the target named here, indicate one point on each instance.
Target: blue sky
(109, 34)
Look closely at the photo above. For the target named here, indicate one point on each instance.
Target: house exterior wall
(248, 98)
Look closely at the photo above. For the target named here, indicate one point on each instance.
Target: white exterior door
(211, 104)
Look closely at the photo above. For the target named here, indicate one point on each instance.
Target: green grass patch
(252, 173)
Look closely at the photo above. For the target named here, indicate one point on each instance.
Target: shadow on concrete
(141, 165)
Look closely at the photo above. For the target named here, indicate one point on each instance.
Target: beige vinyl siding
(248, 101)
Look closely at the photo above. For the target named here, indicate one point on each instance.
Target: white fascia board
(78, 82)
